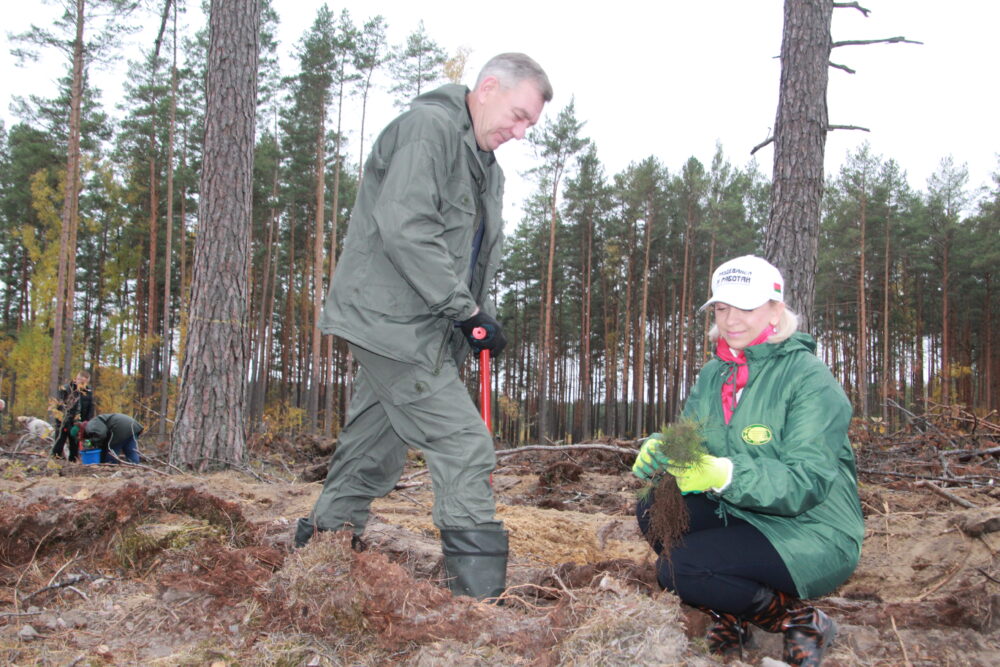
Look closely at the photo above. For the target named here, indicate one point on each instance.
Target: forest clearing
(232, 268)
(126, 565)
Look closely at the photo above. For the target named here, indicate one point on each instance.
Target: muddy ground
(122, 565)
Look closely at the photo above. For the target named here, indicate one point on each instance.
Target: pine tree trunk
(168, 242)
(544, 367)
(862, 346)
(586, 389)
(210, 424)
(63, 315)
(315, 365)
(146, 381)
(886, 362)
(328, 412)
(946, 322)
(640, 355)
(799, 143)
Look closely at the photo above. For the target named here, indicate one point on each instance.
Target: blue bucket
(90, 456)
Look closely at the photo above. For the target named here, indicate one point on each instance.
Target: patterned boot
(808, 631)
(728, 635)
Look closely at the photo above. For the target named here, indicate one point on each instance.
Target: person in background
(116, 434)
(774, 513)
(75, 401)
(410, 291)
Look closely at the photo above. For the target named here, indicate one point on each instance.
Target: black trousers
(719, 564)
(62, 437)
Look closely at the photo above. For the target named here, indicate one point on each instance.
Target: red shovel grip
(479, 333)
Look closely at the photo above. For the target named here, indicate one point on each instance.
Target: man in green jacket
(410, 288)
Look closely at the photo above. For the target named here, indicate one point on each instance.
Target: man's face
(502, 114)
(81, 381)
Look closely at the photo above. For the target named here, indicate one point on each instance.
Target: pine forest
(603, 272)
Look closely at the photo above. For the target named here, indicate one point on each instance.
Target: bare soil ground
(123, 565)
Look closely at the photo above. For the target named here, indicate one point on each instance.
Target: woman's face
(740, 327)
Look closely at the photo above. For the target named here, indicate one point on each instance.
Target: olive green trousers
(396, 406)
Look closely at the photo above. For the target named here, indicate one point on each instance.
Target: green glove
(711, 472)
(650, 457)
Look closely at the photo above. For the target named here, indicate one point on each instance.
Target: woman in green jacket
(774, 509)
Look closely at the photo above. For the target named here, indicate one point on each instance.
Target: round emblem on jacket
(757, 434)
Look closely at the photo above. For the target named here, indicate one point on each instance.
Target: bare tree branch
(847, 127)
(769, 140)
(887, 40)
(843, 67)
(852, 5)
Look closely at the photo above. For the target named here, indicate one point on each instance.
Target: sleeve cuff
(727, 465)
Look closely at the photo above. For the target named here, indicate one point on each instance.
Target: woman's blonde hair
(788, 324)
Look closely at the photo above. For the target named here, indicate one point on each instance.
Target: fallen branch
(944, 494)
(78, 592)
(36, 613)
(503, 453)
(938, 586)
(34, 555)
(908, 475)
(73, 579)
(942, 433)
(164, 463)
(506, 453)
(987, 575)
(902, 646)
(972, 452)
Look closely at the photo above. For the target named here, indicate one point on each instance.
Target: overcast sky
(672, 79)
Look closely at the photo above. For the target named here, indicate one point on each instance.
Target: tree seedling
(668, 516)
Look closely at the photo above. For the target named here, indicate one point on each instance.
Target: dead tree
(799, 139)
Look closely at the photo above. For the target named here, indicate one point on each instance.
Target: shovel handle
(479, 333)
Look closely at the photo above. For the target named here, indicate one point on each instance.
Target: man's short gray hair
(512, 68)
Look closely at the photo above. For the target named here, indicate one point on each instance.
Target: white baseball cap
(746, 283)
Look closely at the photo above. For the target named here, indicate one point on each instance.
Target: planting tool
(479, 333)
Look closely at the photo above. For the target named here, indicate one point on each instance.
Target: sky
(674, 79)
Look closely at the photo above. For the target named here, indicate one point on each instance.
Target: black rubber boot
(475, 561)
(305, 529)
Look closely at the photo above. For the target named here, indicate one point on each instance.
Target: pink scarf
(739, 373)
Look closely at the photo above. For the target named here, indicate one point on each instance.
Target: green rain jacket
(403, 279)
(794, 474)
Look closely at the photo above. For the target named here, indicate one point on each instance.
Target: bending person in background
(75, 400)
(116, 434)
(774, 509)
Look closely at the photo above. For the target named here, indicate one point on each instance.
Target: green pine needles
(683, 444)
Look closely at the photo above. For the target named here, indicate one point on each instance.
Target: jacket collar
(452, 98)
(797, 341)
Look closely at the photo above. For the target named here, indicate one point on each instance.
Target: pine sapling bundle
(668, 515)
